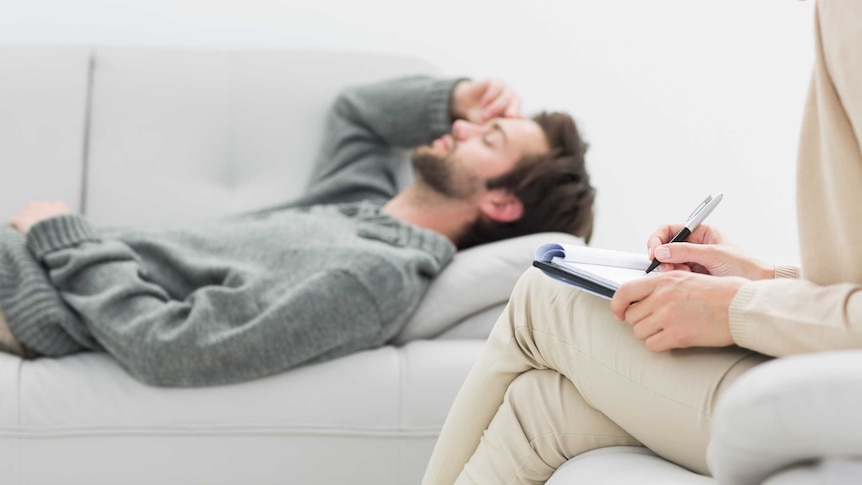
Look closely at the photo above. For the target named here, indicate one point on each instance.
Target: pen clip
(699, 208)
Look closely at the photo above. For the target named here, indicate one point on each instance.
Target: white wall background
(677, 98)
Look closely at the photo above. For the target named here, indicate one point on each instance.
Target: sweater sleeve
(364, 125)
(232, 330)
(787, 316)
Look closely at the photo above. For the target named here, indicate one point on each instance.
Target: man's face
(457, 165)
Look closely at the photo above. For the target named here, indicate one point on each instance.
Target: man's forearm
(403, 112)
(364, 125)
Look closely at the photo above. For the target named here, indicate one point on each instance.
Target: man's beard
(437, 174)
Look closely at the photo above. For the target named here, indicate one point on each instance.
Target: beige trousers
(560, 376)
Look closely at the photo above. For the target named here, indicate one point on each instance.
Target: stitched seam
(284, 431)
(88, 120)
(18, 444)
(402, 382)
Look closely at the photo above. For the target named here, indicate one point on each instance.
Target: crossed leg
(598, 387)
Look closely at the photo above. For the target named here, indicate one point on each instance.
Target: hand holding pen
(706, 251)
(694, 219)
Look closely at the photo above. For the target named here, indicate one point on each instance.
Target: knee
(529, 280)
(532, 380)
(531, 391)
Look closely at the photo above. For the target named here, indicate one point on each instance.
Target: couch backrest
(137, 135)
(133, 136)
(43, 104)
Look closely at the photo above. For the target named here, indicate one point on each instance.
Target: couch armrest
(787, 411)
(478, 279)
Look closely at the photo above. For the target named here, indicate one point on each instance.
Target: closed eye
(496, 138)
(488, 140)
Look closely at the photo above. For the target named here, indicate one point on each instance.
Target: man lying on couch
(339, 270)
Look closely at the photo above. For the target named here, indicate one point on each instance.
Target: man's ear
(501, 205)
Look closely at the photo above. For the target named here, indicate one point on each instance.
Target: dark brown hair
(554, 188)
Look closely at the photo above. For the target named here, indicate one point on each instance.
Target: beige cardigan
(823, 309)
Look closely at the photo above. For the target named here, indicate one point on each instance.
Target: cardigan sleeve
(236, 328)
(790, 316)
(364, 125)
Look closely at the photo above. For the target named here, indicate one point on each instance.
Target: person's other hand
(678, 309)
(704, 251)
(36, 212)
(479, 101)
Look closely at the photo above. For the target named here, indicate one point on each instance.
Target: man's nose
(463, 129)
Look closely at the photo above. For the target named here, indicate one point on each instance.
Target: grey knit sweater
(247, 296)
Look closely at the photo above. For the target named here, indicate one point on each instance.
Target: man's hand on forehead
(484, 99)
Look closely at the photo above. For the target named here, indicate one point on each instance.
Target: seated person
(563, 372)
(337, 271)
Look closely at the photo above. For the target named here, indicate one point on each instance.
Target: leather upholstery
(137, 136)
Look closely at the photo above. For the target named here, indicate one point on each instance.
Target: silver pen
(697, 216)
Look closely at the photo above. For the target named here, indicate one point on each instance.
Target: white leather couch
(137, 136)
(140, 136)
